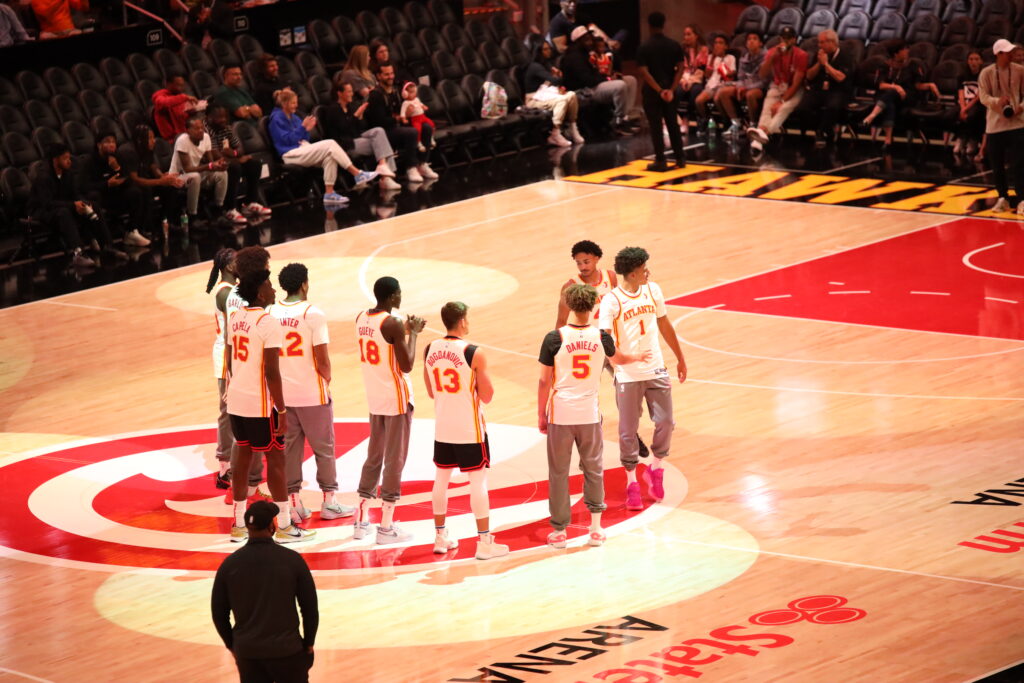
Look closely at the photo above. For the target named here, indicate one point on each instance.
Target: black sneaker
(222, 481)
(658, 166)
(644, 451)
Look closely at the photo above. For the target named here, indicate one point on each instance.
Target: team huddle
(273, 371)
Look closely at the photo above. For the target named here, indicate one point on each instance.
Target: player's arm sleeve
(660, 310)
(318, 323)
(470, 352)
(608, 343)
(548, 349)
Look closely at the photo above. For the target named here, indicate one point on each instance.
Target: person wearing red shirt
(171, 107)
(787, 65)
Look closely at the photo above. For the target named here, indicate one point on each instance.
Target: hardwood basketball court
(855, 384)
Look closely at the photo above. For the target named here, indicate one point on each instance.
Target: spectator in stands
(829, 86)
(385, 103)
(107, 185)
(357, 72)
(145, 173)
(227, 148)
(787, 65)
(721, 71)
(268, 81)
(1002, 92)
(563, 24)
(171, 108)
(545, 90)
(661, 62)
(695, 62)
(896, 85)
(290, 136)
(749, 86)
(194, 161)
(343, 122)
(579, 74)
(970, 126)
(11, 30)
(381, 53)
(57, 203)
(235, 97)
(54, 16)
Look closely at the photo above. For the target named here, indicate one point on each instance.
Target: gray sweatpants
(374, 142)
(590, 444)
(629, 397)
(314, 424)
(225, 439)
(388, 448)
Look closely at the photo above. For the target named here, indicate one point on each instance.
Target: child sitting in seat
(413, 113)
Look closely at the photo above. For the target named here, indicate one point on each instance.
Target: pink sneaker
(633, 500)
(656, 481)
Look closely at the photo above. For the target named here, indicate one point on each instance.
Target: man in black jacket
(267, 82)
(383, 104)
(108, 185)
(829, 85)
(343, 122)
(580, 75)
(57, 203)
(260, 584)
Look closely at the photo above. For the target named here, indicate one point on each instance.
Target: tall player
(221, 283)
(455, 372)
(256, 402)
(305, 377)
(634, 313)
(387, 351)
(587, 256)
(572, 358)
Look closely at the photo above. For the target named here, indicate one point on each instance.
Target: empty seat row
(947, 10)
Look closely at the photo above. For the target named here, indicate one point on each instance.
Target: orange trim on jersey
(319, 381)
(639, 291)
(399, 381)
(476, 406)
(264, 389)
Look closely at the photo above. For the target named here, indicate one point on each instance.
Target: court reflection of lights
(800, 412)
(757, 496)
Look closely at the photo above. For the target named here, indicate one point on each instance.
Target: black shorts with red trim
(259, 433)
(466, 456)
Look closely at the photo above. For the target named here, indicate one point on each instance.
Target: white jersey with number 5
(250, 331)
(633, 321)
(303, 326)
(459, 415)
(388, 391)
(578, 362)
(220, 366)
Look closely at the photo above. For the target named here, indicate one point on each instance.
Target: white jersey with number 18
(388, 391)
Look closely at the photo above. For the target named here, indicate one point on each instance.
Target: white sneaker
(336, 511)
(1002, 206)
(413, 175)
(389, 183)
(427, 172)
(392, 535)
(256, 209)
(384, 170)
(958, 147)
(235, 217)
(556, 139)
(574, 134)
(135, 239)
(756, 145)
(80, 260)
(443, 544)
(360, 530)
(300, 513)
(487, 548)
(755, 133)
(292, 534)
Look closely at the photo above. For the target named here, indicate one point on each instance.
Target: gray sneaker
(336, 511)
(300, 513)
(360, 530)
(392, 535)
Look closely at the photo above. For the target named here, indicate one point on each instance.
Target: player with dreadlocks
(221, 283)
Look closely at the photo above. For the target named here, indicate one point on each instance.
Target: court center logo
(147, 500)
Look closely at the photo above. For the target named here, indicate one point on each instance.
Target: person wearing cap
(787, 65)
(260, 584)
(579, 74)
(1002, 92)
(563, 23)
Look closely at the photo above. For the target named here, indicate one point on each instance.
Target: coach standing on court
(260, 584)
(661, 65)
(1002, 92)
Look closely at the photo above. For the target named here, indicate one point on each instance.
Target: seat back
(144, 69)
(433, 40)
(960, 30)
(946, 76)
(196, 58)
(224, 53)
(144, 91)
(443, 12)
(955, 53)
(79, 138)
(854, 47)
(479, 32)
(310, 65)
(123, 99)
(960, 8)
(44, 139)
(419, 16)
(372, 26)
(506, 81)
(320, 87)
(32, 86)
(926, 52)
(812, 6)
(10, 93)
(918, 7)
(89, 77)
(248, 47)
(395, 21)
(204, 83)
(19, 149)
(924, 27)
(16, 187)
(60, 81)
(752, 18)
(95, 104)
(494, 57)
(117, 72)
(993, 29)
(883, 7)
(787, 16)
(457, 103)
(446, 66)
(516, 51)
(472, 62)
(68, 109)
(818, 21)
(13, 120)
(848, 6)
(104, 125)
(888, 27)
(456, 36)
(992, 9)
(349, 32)
(325, 41)
(41, 115)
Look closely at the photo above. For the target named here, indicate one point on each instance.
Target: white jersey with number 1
(633, 322)
(220, 366)
(303, 326)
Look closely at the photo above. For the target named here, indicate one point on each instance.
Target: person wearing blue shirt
(290, 136)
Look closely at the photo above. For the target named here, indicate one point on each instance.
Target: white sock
(656, 465)
(294, 500)
(329, 498)
(225, 466)
(284, 517)
(240, 512)
(595, 521)
(631, 476)
(387, 515)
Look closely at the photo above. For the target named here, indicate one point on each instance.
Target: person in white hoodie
(1002, 92)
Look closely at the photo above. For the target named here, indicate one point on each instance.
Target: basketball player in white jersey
(387, 351)
(256, 402)
(222, 281)
(587, 256)
(455, 372)
(568, 411)
(634, 313)
(305, 378)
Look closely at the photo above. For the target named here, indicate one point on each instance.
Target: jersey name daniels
(582, 345)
